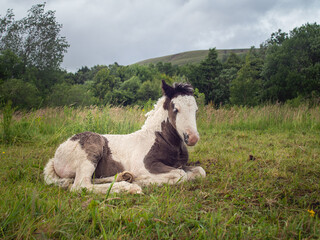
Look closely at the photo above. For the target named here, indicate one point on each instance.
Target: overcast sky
(128, 31)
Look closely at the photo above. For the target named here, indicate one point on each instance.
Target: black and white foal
(156, 153)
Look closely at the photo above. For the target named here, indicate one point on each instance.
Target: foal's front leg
(171, 176)
(194, 172)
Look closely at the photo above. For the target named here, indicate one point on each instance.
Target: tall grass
(269, 117)
(60, 123)
(52, 125)
(7, 114)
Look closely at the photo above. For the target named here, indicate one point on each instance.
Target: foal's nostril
(186, 138)
(191, 139)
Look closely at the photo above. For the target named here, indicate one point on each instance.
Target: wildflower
(3, 152)
(311, 213)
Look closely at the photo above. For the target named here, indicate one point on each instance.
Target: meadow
(263, 178)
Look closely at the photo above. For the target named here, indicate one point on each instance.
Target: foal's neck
(155, 117)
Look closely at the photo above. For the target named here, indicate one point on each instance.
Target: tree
(204, 76)
(82, 75)
(246, 88)
(221, 90)
(167, 68)
(127, 93)
(9, 32)
(11, 66)
(148, 90)
(35, 38)
(233, 61)
(144, 73)
(277, 38)
(292, 66)
(103, 84)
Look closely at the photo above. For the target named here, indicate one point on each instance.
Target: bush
(66, 95)
(23, 95)
(200, 98)
(296, 102)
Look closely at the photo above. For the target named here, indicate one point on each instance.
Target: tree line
(286, 67)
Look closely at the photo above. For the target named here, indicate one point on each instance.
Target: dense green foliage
(246, 88)
(292, 64)
(262, 180)
(285, 67)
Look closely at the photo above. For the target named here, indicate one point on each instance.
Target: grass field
(263, 176)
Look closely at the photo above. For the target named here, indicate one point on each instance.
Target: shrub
(23, 95)
(66, 95)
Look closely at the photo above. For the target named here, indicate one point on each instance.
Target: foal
(156, 153)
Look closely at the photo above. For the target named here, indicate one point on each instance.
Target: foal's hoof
(135, 189)
(125, 176)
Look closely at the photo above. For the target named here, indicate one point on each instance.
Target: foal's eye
(175, 110)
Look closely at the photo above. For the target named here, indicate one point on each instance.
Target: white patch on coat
(68, 157)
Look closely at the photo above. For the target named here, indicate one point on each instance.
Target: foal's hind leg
(83, 179)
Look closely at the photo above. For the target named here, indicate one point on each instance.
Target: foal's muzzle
(191, 138)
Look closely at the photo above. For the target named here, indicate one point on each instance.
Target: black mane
(177, 89)
(183, 89)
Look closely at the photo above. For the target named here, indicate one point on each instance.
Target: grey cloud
(126, 31)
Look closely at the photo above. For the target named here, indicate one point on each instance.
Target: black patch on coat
(168, 152)
(172, 114)
(99, 153)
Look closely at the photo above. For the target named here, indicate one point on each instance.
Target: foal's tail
(51, 177)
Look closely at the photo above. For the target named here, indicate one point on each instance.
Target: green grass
(191, 57)
(263, 175)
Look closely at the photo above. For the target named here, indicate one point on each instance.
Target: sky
(127, 31)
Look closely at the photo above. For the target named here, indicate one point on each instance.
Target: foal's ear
(167, 90)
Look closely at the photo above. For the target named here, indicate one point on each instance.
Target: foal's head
(181, 106)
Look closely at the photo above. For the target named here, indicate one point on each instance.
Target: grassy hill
(191, 57)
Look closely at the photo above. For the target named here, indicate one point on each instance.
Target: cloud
(127, 31)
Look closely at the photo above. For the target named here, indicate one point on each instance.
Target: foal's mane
(183, 89)
(176, 90)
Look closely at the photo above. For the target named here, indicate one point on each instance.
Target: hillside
(191, 57)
